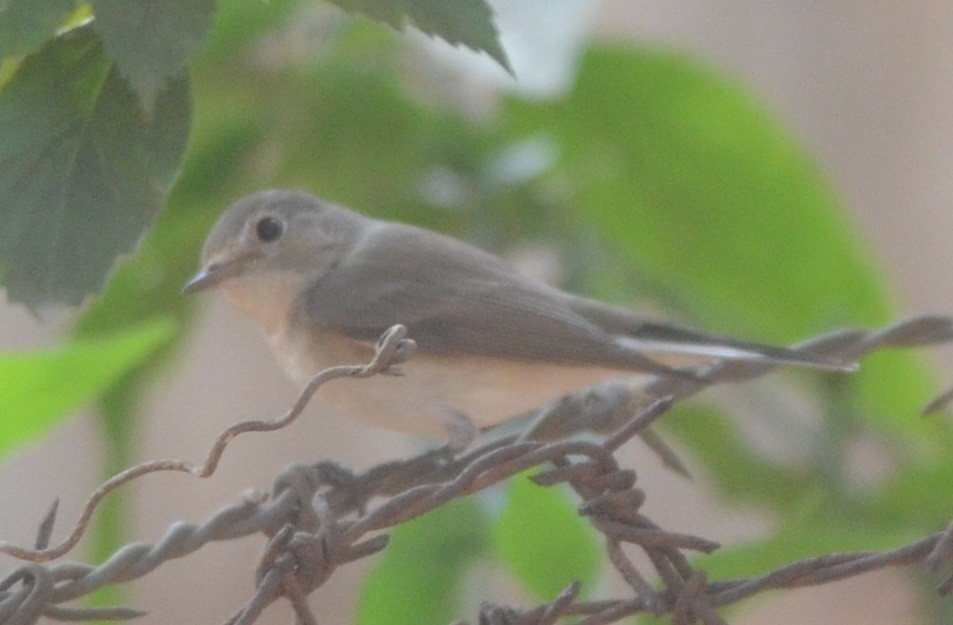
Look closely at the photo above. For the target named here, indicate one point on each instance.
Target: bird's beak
(217, 271)
(204, 278)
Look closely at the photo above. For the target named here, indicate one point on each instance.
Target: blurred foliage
(655, 178)
(36, 388)
(542, 540)
(25, 25)
(419, 575)
(693, 157)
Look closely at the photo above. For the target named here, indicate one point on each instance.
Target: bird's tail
(672, 342)
(661, 338)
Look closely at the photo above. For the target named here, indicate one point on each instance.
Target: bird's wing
(456, 300)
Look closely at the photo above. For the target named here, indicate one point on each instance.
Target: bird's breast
(433, 390)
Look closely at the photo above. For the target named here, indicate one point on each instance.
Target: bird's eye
(269, 229)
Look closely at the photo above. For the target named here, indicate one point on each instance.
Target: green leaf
(25, 25)
(741, 474)
(917, 497)
(809, 531)
(891, 387)
(543, 541)
(708, 199)
(151, 40)
(698, 186)
(236, 28)
(467, 22)
(37, 389)
(377, 143)
(417, 579)
(82, 170)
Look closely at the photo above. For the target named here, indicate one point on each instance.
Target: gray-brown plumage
(325, 282)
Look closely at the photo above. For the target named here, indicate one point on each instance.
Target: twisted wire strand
(321, 516)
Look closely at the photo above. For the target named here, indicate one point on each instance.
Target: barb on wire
(319, 517)
(392, 349)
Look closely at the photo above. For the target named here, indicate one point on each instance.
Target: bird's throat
(266, 297)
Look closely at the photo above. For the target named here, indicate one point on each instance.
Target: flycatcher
(324, 283)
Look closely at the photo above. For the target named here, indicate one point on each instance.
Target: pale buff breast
(433, 390)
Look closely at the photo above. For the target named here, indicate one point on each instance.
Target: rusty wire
(321, 516)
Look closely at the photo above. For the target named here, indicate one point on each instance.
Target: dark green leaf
(543, 541)
(39, 388)
(469, 22)
(82, 169)
(417, 579)
(25, 25)
(151, 40)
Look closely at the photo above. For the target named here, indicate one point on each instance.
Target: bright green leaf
(25, 25)
(151, 40)
(38, 389)
(467, 22)
(892, 386)
(917, 497)
(709, 199)
(82, 169)
(543, 541)
(417, 580)
(8, 67)
(703, 190)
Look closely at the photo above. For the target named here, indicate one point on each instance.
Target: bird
(323, 282)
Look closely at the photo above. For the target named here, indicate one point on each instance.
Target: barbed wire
(392, 349)
(318, 517)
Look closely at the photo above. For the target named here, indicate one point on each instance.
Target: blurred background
(447, 141)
